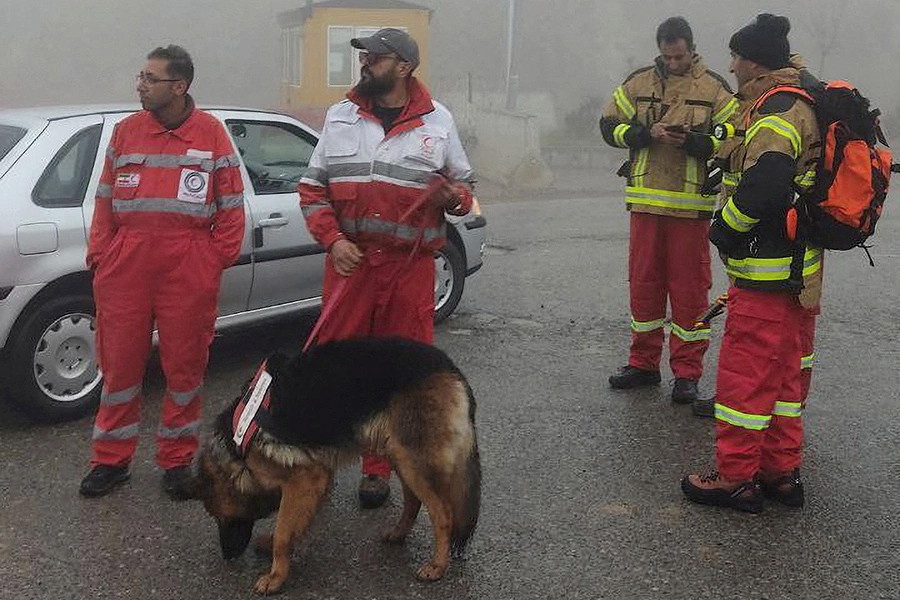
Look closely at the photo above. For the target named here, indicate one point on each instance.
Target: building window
(340, 57)
(291, 55)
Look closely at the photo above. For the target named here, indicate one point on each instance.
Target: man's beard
(370, 86)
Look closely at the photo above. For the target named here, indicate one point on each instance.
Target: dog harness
(256, 398)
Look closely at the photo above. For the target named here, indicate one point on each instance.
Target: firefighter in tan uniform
(664, 115)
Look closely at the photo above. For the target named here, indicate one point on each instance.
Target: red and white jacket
(186, 178)
(361, 181)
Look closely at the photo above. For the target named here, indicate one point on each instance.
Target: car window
(276, 154)
(65, 180)
(9, 137)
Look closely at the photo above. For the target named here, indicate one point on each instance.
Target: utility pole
(512, 75)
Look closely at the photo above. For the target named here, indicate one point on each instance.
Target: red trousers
(668, 258)
(389, 295)
(171, 278)
(760, 389)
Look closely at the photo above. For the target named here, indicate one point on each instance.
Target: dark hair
(180, 64)
(673, 29)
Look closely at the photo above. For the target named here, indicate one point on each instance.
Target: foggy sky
(80, 51)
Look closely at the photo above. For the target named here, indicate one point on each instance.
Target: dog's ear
(276, 363)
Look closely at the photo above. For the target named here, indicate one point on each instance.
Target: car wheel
(56, 376)
(449, 280)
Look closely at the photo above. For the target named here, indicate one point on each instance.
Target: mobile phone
(675, 128)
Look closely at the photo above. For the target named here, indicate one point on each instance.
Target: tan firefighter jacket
(662, 179)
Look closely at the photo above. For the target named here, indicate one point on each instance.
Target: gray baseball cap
(387, 40)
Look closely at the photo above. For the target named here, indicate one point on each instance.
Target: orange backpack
(840, 211)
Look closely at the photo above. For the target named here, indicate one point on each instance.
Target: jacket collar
(750, 92)
(182, 127)
(418, 104)
(697, 70)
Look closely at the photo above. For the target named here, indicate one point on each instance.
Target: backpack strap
(791, 89)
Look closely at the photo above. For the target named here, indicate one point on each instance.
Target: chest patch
(193, 186)
(128, 180)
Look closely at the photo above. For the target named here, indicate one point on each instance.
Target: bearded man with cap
(388, 166)
(759, 427)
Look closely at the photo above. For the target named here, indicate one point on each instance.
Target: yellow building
(318, 64)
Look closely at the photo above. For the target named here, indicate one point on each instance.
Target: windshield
(9, 137)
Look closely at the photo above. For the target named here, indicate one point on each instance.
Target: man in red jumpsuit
(382, 150)
(168, 218)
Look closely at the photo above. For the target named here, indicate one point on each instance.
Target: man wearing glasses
(168, 218)
(387, 167)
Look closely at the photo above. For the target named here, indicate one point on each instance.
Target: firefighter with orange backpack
(759, 427)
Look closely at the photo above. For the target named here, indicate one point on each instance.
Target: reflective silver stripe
(166, 161)
(232, 201)
(739, 419)
(315, 176)
(122, 433)
(806, 362)
(349, 170)
(184, 398)
(667, 199)
(646, 326)
(624, 103)
(104, 190)
(189, 430)
(788, 409)
(403, 232)
(401, 173)
(108, 398)
(224, 162)
(166, 205)
(735, 219)
(726, 112)
(690, 335)
(619, 134)
(311, 209)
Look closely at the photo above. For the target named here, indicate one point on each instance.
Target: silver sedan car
(50, 163)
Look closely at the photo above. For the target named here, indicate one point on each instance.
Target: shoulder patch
(778, 103)
(721, 80)
(636, 73)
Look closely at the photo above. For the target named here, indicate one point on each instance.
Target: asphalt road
(580, 496)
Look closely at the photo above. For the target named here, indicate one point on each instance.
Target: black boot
(102, 480)
(704, 407)
(787, 489)
(631, 377)
(684, 391)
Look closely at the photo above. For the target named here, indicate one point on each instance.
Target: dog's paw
(394, 535)
(268, 584)
(431, 571)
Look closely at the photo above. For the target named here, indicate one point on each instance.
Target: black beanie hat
(764, 41)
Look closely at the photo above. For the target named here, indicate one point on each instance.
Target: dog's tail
(466, 502)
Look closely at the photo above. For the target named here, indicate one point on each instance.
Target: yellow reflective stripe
(788, 409)
(779, 126)
(690, 335)
(759, 269)
(735, 219)
(623, 102)
(739, 419)
(691, 174)
(669, 199)
(646, 326)
(640, 167)
(807, 180)
(730, 179)
(727, 111)
(619, 134)
(812, 261)
(806, 362)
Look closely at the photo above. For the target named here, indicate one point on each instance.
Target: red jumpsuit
(168, 218)
(361, 182)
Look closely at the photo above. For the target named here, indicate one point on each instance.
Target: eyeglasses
(368, 58)
(150, 79)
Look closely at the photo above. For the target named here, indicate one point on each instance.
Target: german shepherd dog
(397, 398)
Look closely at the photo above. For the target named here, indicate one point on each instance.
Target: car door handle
(274, 220)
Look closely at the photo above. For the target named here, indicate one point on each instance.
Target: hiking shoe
(704, 407)
(179, 483)
(373, 491)
(684, 391)
(102, 480)
(631, 377)
(787, 488)
(715, 490)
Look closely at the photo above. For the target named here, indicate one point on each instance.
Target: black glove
(698, 145)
